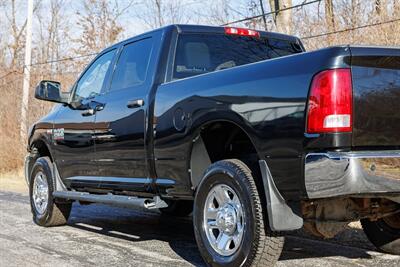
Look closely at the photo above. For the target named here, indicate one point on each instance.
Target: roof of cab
(220, 29)
(188, 28)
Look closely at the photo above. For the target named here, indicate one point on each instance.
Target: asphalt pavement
(108, 236)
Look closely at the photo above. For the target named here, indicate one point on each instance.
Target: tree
(255, 8)
(381, 7)
(53, 31)
(162, 12)
(16, 33)
(329, 18)
(396, 8)
(99, 24)
(219, 12)
(282, 19)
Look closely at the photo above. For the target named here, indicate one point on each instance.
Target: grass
(13, 181)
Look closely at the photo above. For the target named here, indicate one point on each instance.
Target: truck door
(120, 127)
(74, 127)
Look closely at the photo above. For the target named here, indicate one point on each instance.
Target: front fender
(39, 143)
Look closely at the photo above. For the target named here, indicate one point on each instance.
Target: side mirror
(51, 91)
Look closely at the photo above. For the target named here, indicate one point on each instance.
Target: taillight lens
(330, 104)
(241, 32)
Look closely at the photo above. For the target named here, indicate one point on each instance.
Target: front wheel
(228, 219)
(384, 233)
(45, 211)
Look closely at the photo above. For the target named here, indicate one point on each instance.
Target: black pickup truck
(243, 129)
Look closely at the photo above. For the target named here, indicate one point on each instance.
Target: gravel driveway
(103, 236)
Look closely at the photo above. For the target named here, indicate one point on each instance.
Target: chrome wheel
(224, 220)
(40, 193)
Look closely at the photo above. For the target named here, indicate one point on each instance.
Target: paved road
(103, 236)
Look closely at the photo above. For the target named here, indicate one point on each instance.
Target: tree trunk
(283, 19)
(329, 19)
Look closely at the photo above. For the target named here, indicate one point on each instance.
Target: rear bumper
(333, 174)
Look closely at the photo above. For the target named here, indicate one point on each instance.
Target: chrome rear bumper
(334, 174)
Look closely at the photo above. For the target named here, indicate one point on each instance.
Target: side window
(131, 69)
(92, 81)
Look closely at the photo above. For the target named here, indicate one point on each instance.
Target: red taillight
(241, 32)
(330, 103)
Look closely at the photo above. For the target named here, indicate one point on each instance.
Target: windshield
(201, 53)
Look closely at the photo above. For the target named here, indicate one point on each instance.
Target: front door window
(91, 83)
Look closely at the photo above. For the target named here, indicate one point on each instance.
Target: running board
(115, 200)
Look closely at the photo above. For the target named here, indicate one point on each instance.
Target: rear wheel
(228, 219)
(384, 233)
(45, 211)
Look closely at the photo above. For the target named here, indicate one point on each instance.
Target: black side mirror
(51, 91)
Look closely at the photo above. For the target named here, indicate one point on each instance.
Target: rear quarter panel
(266, 99)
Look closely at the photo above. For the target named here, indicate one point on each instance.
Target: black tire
(178, 208)
(55, 213)
(384, 233)
(259, 246)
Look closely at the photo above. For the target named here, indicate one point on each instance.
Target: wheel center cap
(227, 219)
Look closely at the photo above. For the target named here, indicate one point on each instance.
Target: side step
(116, 200)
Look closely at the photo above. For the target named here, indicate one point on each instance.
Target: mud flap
(280, 216)
(59, 185)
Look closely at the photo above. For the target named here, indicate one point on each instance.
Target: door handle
(135, 103)
(88, 112)
(99, 106)
(92, 108)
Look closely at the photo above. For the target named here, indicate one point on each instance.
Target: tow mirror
(51, 91)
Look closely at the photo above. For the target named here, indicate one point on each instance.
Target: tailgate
(376, 96)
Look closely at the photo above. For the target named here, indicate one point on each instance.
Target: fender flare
(34, 154)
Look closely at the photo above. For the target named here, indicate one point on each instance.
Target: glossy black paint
(376, 91)
(78, 140)
(266, 99)
(120, 131)
(147, 149)
(74, 151)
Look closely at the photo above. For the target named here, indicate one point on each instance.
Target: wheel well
(223, 140)
(39, 147)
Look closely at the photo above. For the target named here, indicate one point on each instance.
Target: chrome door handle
(135, 103)
(88, 112)
(92, 108)
(99, 106)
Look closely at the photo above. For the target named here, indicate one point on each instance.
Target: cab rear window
(202, 53)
